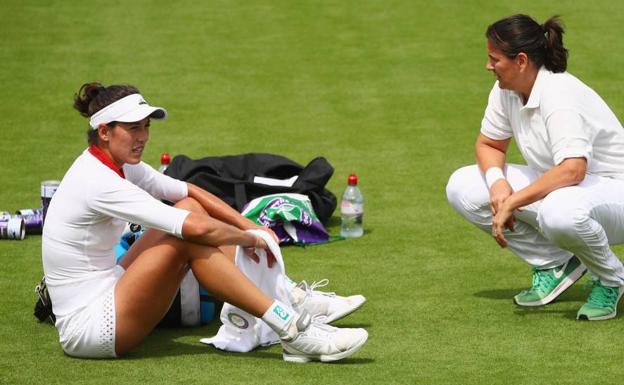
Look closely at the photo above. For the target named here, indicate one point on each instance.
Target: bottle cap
(352, 181)
(165, 158)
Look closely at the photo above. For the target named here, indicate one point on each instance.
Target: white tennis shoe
(324, 307)
(315, 341)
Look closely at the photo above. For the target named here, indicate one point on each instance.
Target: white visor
(131, 108)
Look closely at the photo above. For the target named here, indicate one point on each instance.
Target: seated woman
(103, 309)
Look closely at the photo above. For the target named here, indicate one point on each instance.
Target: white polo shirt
(86, 218)
(563, 118)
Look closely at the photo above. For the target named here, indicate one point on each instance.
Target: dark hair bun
(85, 96)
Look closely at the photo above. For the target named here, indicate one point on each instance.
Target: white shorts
(89, 332)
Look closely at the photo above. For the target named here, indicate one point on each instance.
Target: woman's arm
(220, 210)
(491, 154)
(204, 229)
(570, 172)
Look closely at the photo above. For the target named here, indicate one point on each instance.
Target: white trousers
(581, 220)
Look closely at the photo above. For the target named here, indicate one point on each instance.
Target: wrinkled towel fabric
(290, 216)
(241, 331)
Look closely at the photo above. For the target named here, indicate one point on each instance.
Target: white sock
(281, 319)
(297, 296)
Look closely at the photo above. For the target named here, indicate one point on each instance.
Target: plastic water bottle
(165, 159)
(352, 210)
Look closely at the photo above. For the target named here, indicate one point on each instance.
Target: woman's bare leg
(155, 266)
(229, 251)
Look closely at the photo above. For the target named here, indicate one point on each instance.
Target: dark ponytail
(543, 44)
(556, 55)
(92, 97)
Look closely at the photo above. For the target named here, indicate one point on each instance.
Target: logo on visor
(142, 102)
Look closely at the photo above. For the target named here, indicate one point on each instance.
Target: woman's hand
(260, 244)
(500, 191)
(268, 230)
(502, 215)
(503, 219)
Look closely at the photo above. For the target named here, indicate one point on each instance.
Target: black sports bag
(231, 178)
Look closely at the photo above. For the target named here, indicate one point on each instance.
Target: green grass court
(392, 90)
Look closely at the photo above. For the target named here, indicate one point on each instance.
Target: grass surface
(392, 90)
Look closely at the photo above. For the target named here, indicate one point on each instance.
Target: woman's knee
(466, 190)
(190, 204)
(562, 220)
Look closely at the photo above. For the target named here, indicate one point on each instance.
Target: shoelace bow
(322, 283)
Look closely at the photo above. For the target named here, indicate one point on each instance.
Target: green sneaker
(550, 283)
(601, 304)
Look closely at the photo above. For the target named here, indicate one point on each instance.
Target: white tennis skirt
(89, 332)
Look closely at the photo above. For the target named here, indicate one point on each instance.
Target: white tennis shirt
(85, 220)
(563, 118)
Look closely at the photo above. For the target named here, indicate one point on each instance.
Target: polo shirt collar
(106, 160)
(536, 92)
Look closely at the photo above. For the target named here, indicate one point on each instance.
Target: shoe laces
(602, 296)
(318, 329)
(541, 279)
(311, 290)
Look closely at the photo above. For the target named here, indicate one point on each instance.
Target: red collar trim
(105, 159)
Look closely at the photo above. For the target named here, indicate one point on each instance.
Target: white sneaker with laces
(315, 341)
(324, 307)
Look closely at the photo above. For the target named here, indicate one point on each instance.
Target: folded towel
(290, 216)
(241, 331)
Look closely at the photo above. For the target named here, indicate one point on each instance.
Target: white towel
(242, 332)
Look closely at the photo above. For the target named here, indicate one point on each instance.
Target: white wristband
(492, 175)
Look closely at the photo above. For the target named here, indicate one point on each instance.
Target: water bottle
(165, 159)
(352, 210)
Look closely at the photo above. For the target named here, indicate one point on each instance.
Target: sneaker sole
(574, 276)
(305, 358)
(583, 317)
(337, 316)
(603, 318)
